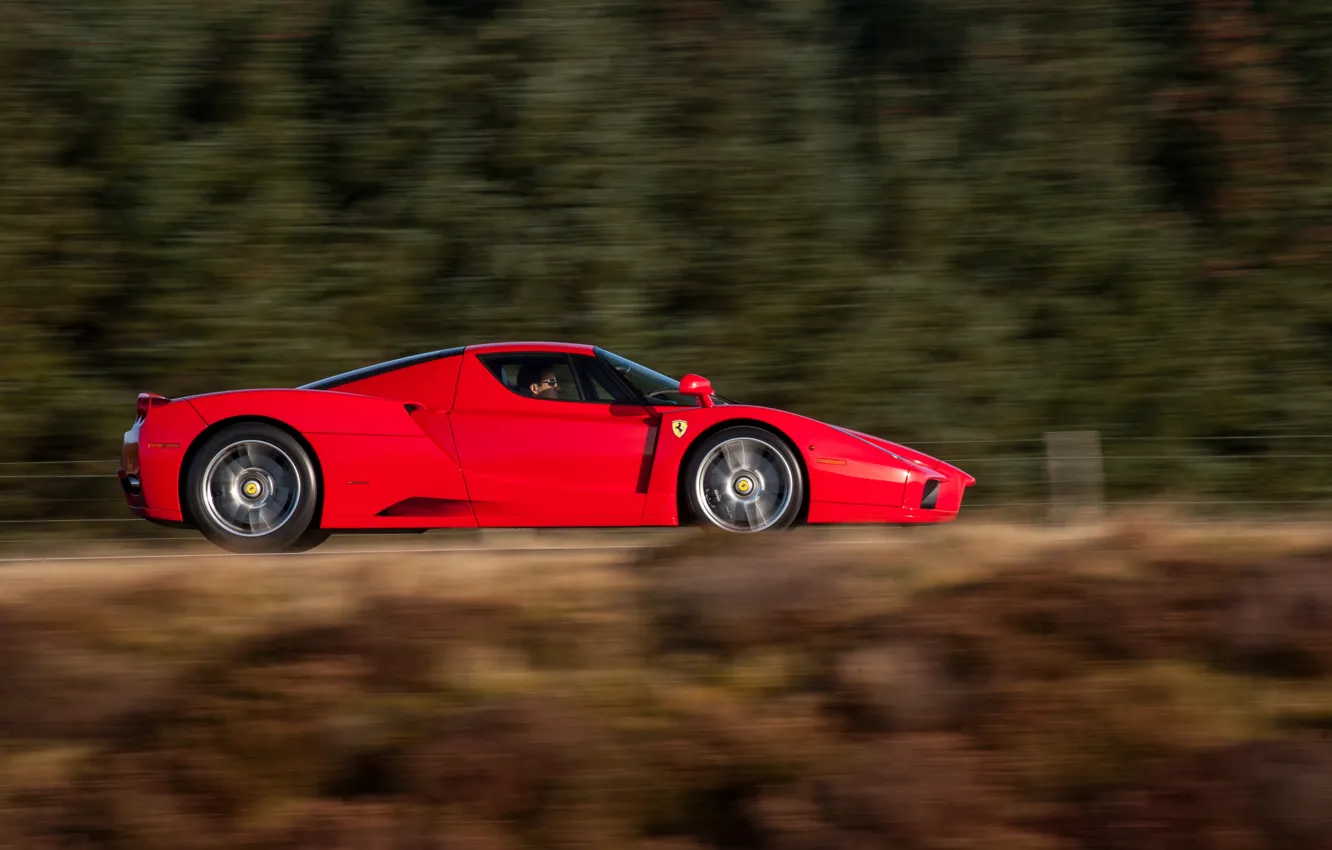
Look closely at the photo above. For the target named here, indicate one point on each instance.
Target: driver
(539, 380)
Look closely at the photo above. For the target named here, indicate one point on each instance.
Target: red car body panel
(431, 384)
(532, 461)
(437, 441)
(390, 482)
(311, 411)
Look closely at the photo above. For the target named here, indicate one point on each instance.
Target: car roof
(334, 381)
(510, 347)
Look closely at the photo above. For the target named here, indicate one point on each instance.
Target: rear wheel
(252, 489)
(744, 479)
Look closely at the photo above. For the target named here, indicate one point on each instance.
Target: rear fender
(152, 451)
(312, 411)
(379, 461)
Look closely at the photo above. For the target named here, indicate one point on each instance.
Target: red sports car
(529, 434)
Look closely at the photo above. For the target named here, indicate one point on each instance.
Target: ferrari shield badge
(678, 427)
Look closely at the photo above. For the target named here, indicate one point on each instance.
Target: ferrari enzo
(517, 435)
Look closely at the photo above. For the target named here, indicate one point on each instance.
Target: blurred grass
(1132, 684)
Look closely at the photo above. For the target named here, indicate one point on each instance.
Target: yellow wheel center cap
(743, 485)
(252, 489)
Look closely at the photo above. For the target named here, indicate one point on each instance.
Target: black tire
(744, 479)
(252, 488)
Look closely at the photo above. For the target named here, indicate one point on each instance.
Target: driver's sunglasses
(554, 382)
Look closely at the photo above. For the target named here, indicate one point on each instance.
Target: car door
(579, 459)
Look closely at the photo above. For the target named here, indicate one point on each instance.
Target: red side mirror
(697, 385)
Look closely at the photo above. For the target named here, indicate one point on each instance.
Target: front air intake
(930, 495)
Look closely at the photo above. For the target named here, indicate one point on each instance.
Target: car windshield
(658, 388)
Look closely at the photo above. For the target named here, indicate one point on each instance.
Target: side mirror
(699, 386)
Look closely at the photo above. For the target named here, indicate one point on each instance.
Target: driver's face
(549, 386)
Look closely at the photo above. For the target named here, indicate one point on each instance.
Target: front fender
(840, 467)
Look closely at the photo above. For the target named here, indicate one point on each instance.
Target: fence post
(1074, 464)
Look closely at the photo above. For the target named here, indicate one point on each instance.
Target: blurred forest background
(936, 220)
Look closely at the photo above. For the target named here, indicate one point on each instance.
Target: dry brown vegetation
(1133, 686)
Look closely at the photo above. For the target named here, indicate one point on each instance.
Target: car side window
(552, 374)
(600, 384)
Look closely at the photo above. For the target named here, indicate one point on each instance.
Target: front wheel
(744, 479)
(252, 489)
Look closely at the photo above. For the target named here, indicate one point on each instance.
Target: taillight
(148, 400)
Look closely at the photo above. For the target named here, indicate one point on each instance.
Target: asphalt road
(498, 541)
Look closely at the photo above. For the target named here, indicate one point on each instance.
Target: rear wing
(148, 401)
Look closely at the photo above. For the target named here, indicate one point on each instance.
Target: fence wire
(79, 500)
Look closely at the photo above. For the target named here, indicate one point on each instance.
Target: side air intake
(423, 507)
(931, 495)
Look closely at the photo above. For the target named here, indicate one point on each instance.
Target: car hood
(903, 454)
(909, 455)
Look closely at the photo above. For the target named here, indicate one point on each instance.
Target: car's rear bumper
(150, 457)
(160, 515)
(132, 488)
